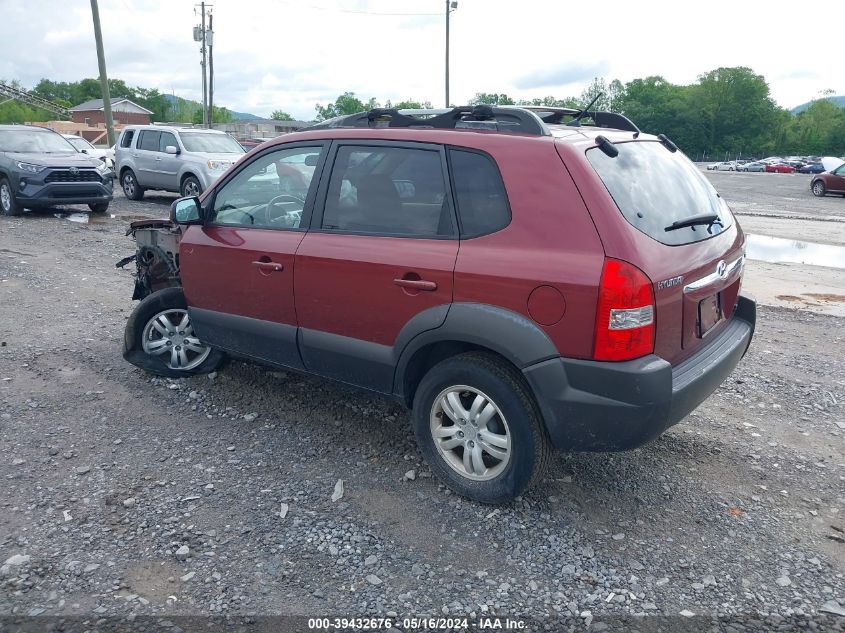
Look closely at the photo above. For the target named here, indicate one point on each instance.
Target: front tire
(99, 207)
(191, 186)
(818, 189)
(8, 203)
(131, 188)
(479, 429)
(159, 338)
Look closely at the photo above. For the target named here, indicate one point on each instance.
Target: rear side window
(479, 193)
(655, 188)
(126, 139)
(149, 140)
(388, 190)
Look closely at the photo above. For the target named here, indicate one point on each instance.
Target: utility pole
(204, 86)
(210, 70)
(451, 5)
(104, 80)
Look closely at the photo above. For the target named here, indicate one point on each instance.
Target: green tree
(281, 115)
(491, 98)
(153, 100)
(218, 115)
(409, 104)
(347, 103)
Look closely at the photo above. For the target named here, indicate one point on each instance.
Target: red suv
(519, 279)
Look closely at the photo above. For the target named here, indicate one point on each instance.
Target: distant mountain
(840, 101)
(178, 104)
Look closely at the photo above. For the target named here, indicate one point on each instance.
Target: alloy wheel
(470, 433)
(170, 334)
(129, 185)
(6, 198)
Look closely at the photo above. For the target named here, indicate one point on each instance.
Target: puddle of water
(779, 250)
(84, 218)
(79, 218)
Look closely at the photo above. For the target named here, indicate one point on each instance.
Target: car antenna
(576, 122)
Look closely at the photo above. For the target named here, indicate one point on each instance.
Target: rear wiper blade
(695, 220)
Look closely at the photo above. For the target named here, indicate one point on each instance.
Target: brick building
(123, 111)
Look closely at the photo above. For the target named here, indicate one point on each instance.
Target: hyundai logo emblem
(722, 269)
(74, 170)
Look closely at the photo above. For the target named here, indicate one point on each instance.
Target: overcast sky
(291, 54)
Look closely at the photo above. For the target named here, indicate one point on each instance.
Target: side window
(126, 139)
(269, 192)
(390, 190)
(479, 193)
(167, 139)
(148, 140)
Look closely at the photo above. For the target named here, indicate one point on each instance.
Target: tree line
(70, 94)
(725, 112)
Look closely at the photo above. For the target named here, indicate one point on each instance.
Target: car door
(837, 179)
(238, 267)
(380, 254)
(168, 164)
(145, 154)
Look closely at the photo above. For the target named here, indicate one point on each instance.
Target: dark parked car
(39, 169)
(811, 168)
(491, 268)
(832, 181)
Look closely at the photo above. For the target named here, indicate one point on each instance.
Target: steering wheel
(281, 198)
(249, 218)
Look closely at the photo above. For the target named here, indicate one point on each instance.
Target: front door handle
(416, 284)
(269, 267)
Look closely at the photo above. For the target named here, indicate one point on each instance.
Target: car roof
(34, 128)
(174, 128)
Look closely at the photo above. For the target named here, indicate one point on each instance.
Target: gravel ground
(131, 495)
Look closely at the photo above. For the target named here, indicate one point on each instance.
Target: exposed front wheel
(131, 188)
(8, 203)
(478, 427)
(191, 186)
(160, 338)
(818, 188)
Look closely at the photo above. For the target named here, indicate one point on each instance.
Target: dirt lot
(126, 495)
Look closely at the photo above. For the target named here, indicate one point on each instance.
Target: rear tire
(818, 189)
(159, 338)
(8, 203)
(479, 428)
(131, 188)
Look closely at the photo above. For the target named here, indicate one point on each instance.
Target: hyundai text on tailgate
(523, 279)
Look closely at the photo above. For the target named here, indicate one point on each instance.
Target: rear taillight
(625, 317)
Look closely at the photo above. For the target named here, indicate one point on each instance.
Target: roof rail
(483, 117)
(554, 116)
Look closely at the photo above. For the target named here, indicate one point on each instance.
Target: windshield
(210, 143)
(655, 188)
(80, 143)
(39, 142)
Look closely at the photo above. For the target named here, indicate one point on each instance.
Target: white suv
(183, 160)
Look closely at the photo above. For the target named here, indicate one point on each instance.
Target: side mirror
(186, 211)
(171, 149)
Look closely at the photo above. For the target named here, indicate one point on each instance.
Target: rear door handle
(269, 267)
(416, 284)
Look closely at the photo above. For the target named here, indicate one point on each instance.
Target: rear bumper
(602, 406)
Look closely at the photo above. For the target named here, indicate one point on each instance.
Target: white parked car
(729, 166)
(81, 145)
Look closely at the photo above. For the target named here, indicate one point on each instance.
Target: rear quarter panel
(551, 241)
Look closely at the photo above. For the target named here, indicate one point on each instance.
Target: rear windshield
(211, 143)
(654, 188)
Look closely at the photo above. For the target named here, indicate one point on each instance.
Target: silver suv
(183, 160)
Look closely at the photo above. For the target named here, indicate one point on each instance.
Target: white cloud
(291, 54)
